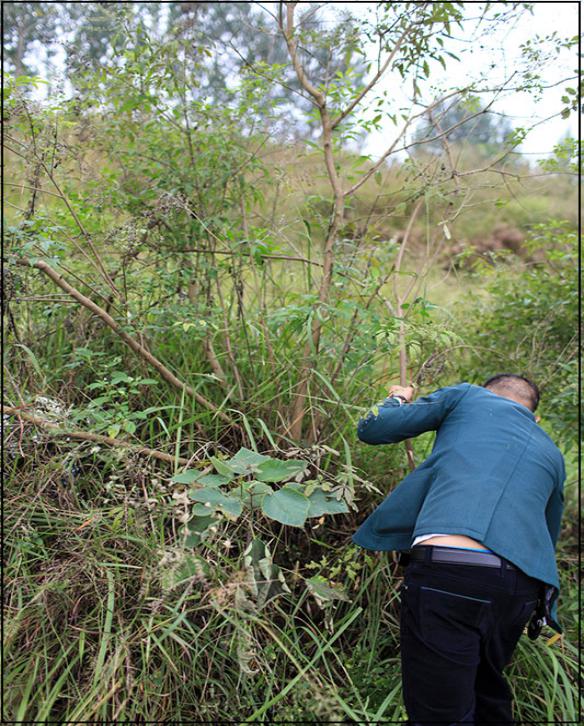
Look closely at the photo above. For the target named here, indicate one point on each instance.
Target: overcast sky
(504, 50)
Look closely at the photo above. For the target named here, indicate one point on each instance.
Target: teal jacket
(493, 475)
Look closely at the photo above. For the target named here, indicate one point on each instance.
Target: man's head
(517, 388)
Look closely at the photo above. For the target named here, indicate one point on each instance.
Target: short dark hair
(519, 385)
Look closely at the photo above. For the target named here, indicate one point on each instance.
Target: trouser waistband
(434, 553)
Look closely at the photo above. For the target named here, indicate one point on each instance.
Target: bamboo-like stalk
(399, 301)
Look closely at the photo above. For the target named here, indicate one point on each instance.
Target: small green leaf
(120, 376)
(323, 591)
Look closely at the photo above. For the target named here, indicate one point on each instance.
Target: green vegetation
(199, 304)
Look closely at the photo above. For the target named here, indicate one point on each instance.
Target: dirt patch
(502, 237)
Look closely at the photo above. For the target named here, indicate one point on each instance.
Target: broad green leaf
(212, 496)
(228, 505)
(253, 493)
(222, 467)
(321, 504)
(276, 470)
(287, 506)
(232, 507)
(199, 524)
(213, 480)
(247, 461)
(187, 477)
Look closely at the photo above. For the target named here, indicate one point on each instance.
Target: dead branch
(97, 438)
(130, 342)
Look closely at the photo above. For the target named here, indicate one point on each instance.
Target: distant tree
(488, 128)
(238, 37)
(94, 28)
(23, 24)
(244, 38)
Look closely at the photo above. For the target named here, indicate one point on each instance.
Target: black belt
(433, 553)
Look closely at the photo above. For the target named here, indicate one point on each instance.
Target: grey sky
(503, 49)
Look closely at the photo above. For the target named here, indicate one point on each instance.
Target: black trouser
(459, 626)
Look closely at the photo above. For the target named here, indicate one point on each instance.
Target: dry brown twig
(88, 436)
(165, 373)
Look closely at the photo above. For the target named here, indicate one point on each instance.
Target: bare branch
(288, 34)
(335, 122)
(291, 258)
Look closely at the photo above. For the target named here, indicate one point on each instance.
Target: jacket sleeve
(555, 505)
(389, 423)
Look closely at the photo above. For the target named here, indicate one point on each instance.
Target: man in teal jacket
(477, 523)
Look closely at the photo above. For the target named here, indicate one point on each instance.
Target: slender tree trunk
(311, 348)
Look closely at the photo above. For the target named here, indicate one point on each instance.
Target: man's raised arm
(389, 422)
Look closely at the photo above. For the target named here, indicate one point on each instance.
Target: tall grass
(109, 617)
